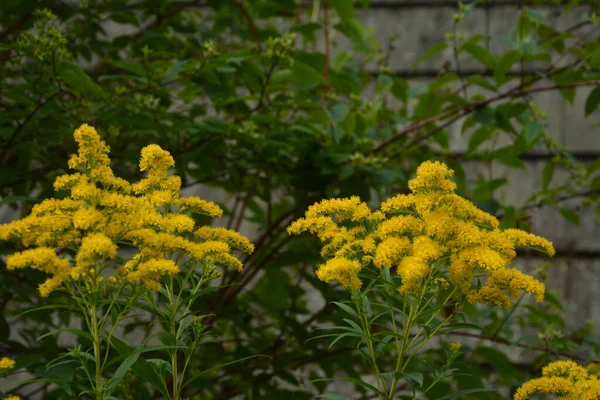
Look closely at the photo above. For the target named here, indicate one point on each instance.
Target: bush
(246, 102)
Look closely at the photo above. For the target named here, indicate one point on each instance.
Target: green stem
(173, 324)
(367, 334)
(96, 340)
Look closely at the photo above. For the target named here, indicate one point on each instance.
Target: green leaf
(352, 380)
(485, 116)
(400, 89)
(480, 135)
(141, 367)
(123, 368)
(199, 374)
(79, 81)
(482, 81)
(466, 391)
(414, 376)
(385, 82)
(547, 174)
(76, 332)
(332, 396)
(346, 308)
(344, 8)
(300, 74)
(480, 54)
(532, 133)
(430, 52)
(504, 63)
(537, 16)
(595, 183)
(510, 160)
(339, 113)
(570, 215)
(592, 101)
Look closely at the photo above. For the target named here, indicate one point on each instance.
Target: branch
(461, 111)
(251, 24)
(521, 345)
(28, 118)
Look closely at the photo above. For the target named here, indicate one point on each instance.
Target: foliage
(443, 247)
(76, 240)
(254, 100)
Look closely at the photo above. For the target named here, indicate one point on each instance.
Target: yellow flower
(390, 251)
(434, 227)
(13, 398)
(229, 236)
(348, 208)
(93, 247)
(343, 270)
(87, 218)
(432, 176)
(565, 378)
(151, 270)
(6, 363)
(553, 384)
(455, 347)
(43, 259)
(101, 210)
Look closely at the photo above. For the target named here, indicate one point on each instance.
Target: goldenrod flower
(6, 363)
(343, 270)
(13, 398)
(564, 378)
(430, 226)
(102, 210)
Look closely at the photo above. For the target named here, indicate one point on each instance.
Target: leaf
(352, 380)
(466, 391)
(300, 74)
(595, 183)
(344, 8)
(124, 367)
(77, 332)
(400, 89)
(537, 16)
(141, 367)
(339, 113)
(415, 376)
(504, 64)
(483, 82)
(78, 79)
(430, 52)
(485, 116)
(510, 160)
(547, 174)
(332, 396)
(480, 54)
(199, 374)
(480, 135)
(385, 82)
(592, 101)
(570, 215)
(346, 308)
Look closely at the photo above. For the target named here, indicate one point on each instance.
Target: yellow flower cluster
(565, 378)
(6, 363)
(13, 398)
(431, 230)
(103, 210)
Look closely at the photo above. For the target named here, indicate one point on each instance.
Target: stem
(172, 326)
(96, 339)
(367, 334)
